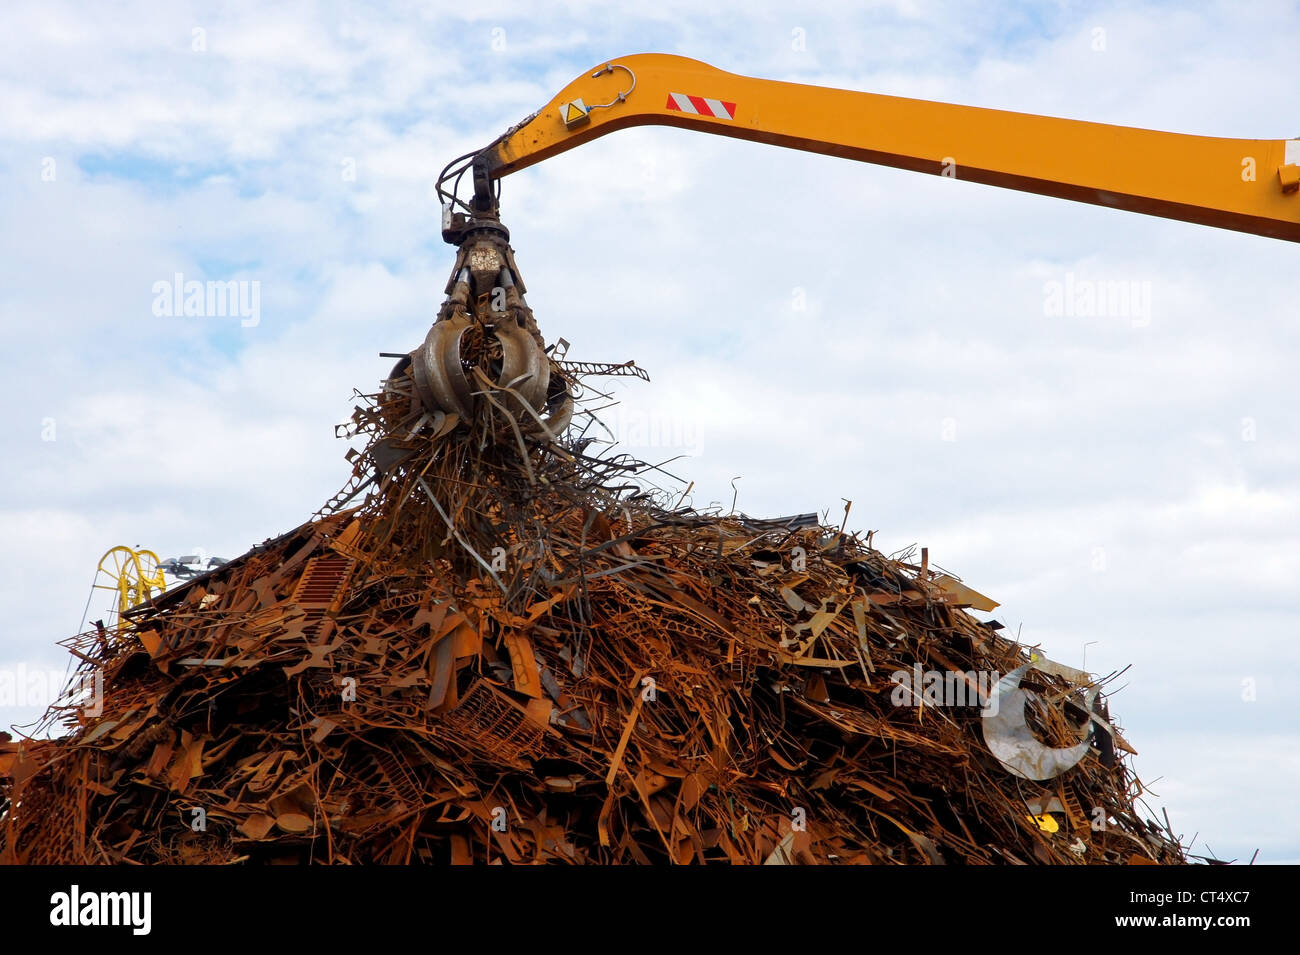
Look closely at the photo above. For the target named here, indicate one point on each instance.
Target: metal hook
(610, 68)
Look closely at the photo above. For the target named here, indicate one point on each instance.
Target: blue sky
(1091, 473)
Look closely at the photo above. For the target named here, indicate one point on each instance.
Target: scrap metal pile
(509, 649)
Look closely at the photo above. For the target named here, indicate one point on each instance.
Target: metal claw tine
(442, 366)
(522, 364)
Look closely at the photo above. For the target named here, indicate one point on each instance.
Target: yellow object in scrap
(133, 575)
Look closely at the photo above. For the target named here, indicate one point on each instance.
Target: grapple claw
(555, 424)
(524, 367)
(439, 376)
(485, 291)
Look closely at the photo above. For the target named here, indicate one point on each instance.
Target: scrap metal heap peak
(495, 644)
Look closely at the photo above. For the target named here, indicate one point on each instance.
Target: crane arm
(485, 331)
(1248, 185)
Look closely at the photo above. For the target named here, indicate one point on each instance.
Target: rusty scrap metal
(492, 645)
(630, 683)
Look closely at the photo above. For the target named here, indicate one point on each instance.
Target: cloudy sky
(816, 330)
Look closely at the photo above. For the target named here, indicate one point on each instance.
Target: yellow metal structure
(133, 575)
(1249, 185)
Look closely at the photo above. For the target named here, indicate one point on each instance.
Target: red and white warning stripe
(701, 106)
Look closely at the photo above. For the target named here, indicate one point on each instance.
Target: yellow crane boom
(1248, 185)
